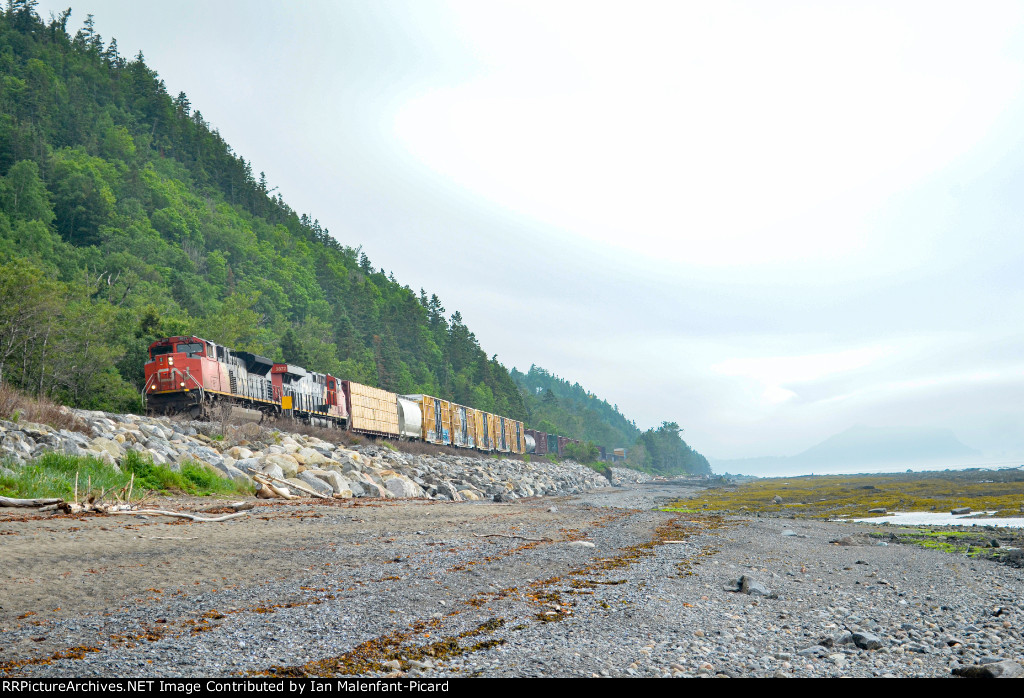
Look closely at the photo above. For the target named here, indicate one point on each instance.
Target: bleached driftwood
(268, 490)
(265, 479)
(503, 535)
(237, 506)
(180, 515)
(27, 503)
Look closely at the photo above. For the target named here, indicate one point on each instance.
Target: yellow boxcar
(502, 439)
(371, 410)
(463, 426)
(517, 437)
(495, 421)
(481, 425)
(437, 419)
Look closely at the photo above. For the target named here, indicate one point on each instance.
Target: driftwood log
(269, 490)
(505, 535)
(181, 515)
(237, 506)
(28, 503)
(265, 479)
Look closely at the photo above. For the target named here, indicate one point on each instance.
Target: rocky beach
(441, 565)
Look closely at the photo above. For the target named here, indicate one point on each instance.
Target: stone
(272, 470)
(234, 473)
(867, 641)
(960, 510)
(582, 544)
(878, 510)
(403, 487)
(447, 489)
(288, 465)
(316, 484)
(339, 484)
(309, 456)
(106, 446)
(776, 499)
(1005, 669)
(239, 452)
(749, 585)
(372, 489)
(470, 495)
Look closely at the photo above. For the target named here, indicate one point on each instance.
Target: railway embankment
(306, 462)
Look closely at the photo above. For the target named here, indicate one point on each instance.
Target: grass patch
(826, 496)
(17, 407)
(53, 475)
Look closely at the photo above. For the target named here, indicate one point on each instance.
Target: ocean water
(932, 518)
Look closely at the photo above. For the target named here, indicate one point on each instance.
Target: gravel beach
(597, 584)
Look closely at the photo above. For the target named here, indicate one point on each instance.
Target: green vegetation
(555, 406)
(662, 451)
(583, 452)
(827, 496)
(53, 475)
(126, 217)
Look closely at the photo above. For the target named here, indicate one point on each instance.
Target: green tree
(23, 195)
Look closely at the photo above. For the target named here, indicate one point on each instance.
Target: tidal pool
(932, 518)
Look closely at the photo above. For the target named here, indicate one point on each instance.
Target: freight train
(194, 376)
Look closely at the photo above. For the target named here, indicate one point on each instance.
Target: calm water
(932, 518)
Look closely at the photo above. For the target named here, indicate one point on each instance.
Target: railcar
(194, 376)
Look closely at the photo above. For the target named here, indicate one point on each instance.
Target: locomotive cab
(178, 373)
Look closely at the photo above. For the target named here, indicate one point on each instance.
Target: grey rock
(867, 641)
(748, 585)
(1005, 669)
(315, 483)
(960, 510)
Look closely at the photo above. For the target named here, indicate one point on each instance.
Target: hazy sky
(765, 221)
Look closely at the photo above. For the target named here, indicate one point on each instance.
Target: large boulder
(235, 474)
(447, 489)
(315, 483)
(310, 457)
(272, 470)
(103, 445)
(239, 452)
(288, 465)
(339, 484)
(404, 488)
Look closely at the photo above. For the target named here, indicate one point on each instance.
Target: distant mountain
(864, 448)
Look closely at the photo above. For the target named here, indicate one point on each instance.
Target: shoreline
(601, 583)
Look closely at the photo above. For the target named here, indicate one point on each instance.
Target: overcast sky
(766, 221)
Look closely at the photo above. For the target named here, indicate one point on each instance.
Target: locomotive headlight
(151, 387)
(182, 384)
(170, 360)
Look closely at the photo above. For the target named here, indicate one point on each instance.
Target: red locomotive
(197, 377)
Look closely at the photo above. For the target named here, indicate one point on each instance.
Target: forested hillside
(124, 217)
(559, 407)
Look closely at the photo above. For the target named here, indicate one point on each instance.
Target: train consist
(191, 375)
